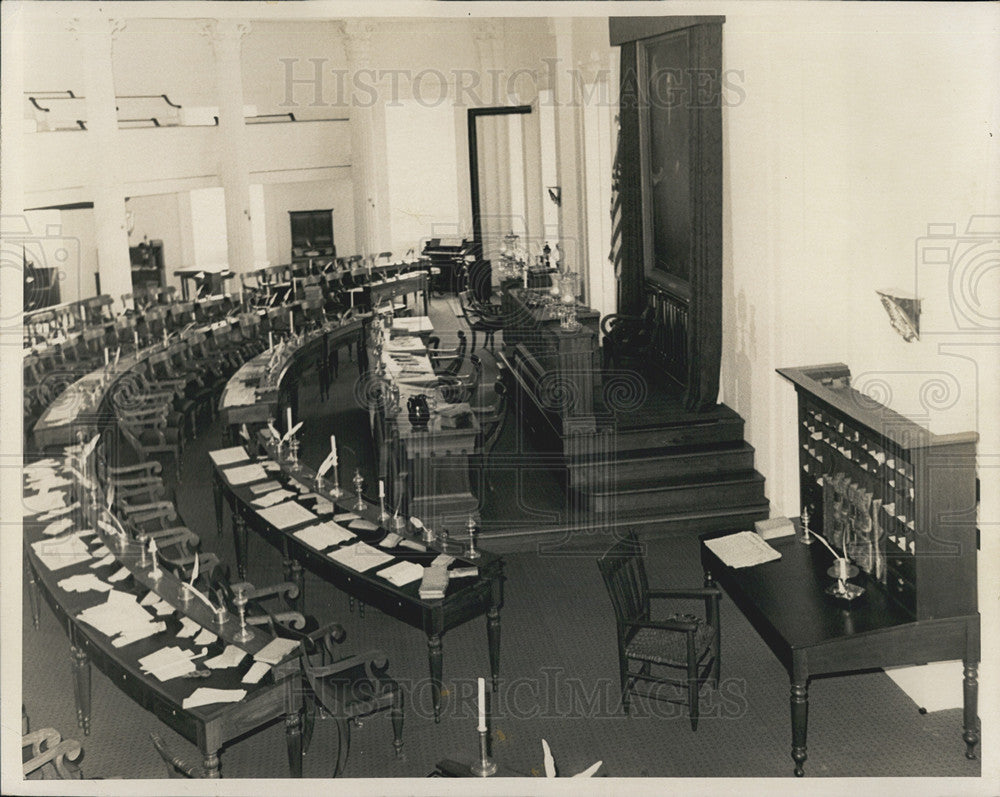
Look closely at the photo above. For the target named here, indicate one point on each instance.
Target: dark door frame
(473, 115)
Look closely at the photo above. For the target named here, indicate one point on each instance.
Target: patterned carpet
(559, 679)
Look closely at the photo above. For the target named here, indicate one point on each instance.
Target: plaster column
(96, 37)
(371, 211)
(227, 36)
(570, 161)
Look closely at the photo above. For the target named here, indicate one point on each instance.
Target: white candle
(106, 356)
(270, 340)
(135, 338)
(482, 706)
(381, 489)
(333, 449)
(291, 322)
(288, 413)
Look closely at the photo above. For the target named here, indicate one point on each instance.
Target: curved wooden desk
(210, 727)
(465, 598)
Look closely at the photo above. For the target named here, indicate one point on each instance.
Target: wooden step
(593, 534)
(655, 494)
(727, 429)
(674, 463)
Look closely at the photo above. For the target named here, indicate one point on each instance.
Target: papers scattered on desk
(122, 618)
(434, 583)
(360, 557)
(206, 696)
(264, 487)
(273, 497)
(413, 545)
(119, 575)
(230, 657)
(405, 343)
(402, 573)
(271, 466)
(57, 527)
(322, 506)
(244, 474)
(205, 637)
(362, 525)
(156, 603)
(84, 583)
(169, 662)
(104, 561)
(227, 456)
(257, 671)
(43, 481)
(56, 554)
(283, 516)
(743, 549)
(188, 627)
(340, 517)
(324, 535)
(240, 394)
(391, 540)
(42, 502)
(54, 513)
(275, 650)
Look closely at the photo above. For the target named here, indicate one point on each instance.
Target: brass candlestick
(485, 766)
(359, 483)
(244, 634)
(472, 553)
(805, 538)
(335, 491)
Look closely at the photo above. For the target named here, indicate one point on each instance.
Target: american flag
(615, 255)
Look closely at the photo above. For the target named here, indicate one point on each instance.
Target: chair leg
(471, 350)
(344, 747)
(693, 693)
(623, 675)
(396, 713)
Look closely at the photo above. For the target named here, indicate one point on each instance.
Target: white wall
(854, 132)
(279, 198)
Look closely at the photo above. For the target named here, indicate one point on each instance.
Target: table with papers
(137, 631)
(350, 550)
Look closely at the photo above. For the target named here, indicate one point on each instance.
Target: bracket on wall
(555, 194)
(904, 312)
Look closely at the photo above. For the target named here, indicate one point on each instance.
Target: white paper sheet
(244, 474)
(56, 554)
(206, 696)
(360, 557)
(275, 650)
(272, 498)
(57, 527)
(84, 582)
(286, 515)
(402, 573)
(324, 535)
(227, 456)
(205, 637)
(230, 657)
(257, 671)
(188, 627)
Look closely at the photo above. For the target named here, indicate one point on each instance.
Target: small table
(813, 634)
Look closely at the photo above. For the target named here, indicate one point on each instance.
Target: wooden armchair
(147, 434)
(348, 689)
(627, 339)
(680, 643)
(176, 544)
(492, 419)
(457, 389)
(481, 317)
(447, 362)
(47, 756)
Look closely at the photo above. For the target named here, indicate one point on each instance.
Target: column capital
(96, 26)
(220, 31)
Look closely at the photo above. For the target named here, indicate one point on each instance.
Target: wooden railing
(670, 330)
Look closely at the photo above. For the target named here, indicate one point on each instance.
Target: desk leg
(435, 655)
(240, 545)
(211, 765)
(493, 637)
(81, 686)
(970, 693)
(298, 578)
(293, 741)
(800, 716)
(33, 597)
(217, 498)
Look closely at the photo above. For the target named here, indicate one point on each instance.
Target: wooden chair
(480, 318)
(47, 756)
(348, 689)
(149, 435)
(680, 643)
(447, 362)
(458, 389)
(627, 339)
(491, 420)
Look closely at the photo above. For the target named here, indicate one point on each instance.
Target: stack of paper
(402, 573)
(264, 487)
(228, 456)
(743, 549)
(83, 583)
(434, 583)
(56, 554)
(57, 527)
(275, 650)
(273, 497)
(229, 657)
(324, 535)
(244, 474)
(157, 604)
(360, 557)
(206, 696)
(42, 502)
(283, 516)
(169, 662)
(122, 618)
